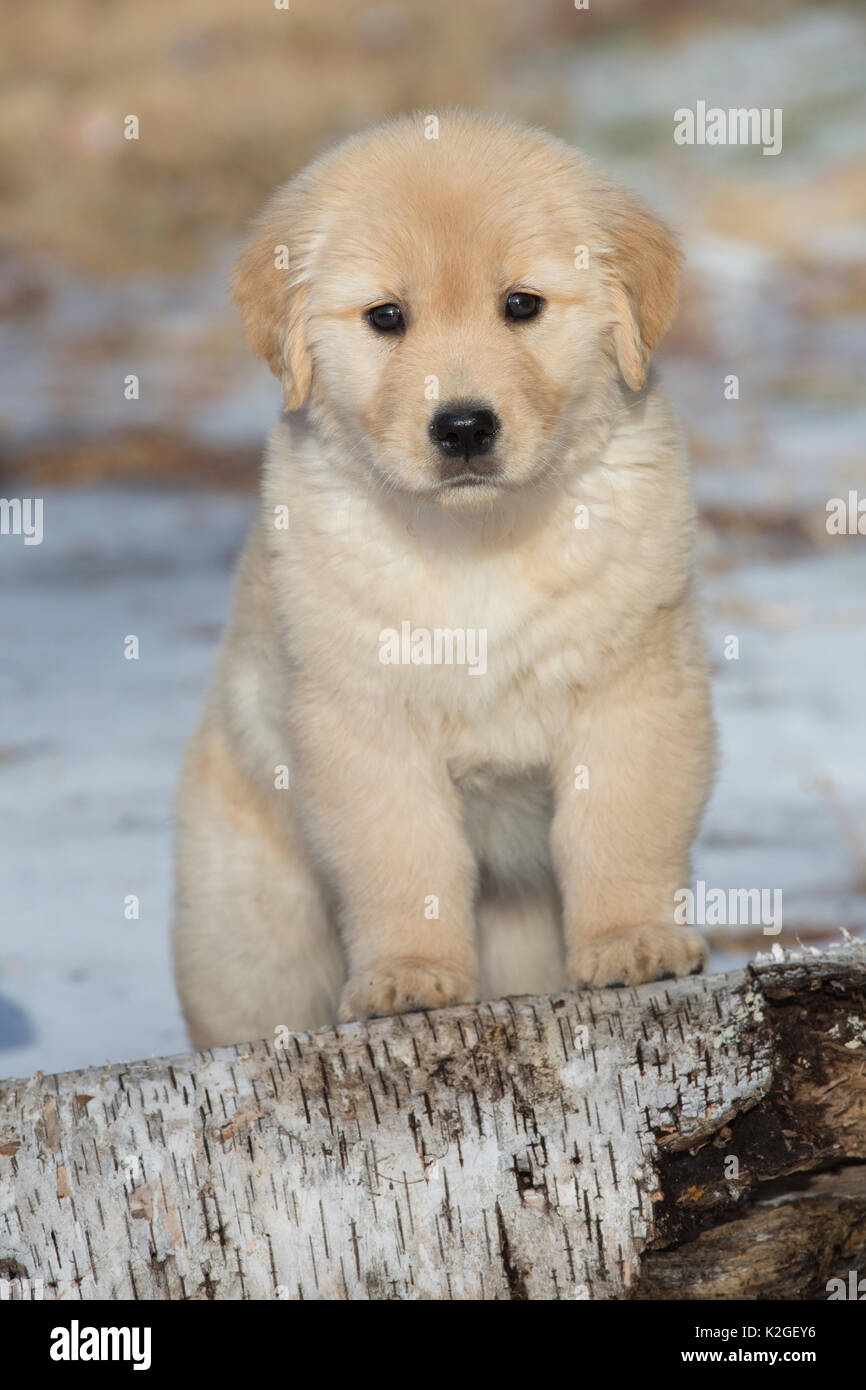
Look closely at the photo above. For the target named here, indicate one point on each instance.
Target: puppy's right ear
(269, 288)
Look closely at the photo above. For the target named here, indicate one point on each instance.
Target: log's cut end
(703, 1138)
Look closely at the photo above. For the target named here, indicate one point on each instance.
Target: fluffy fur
(435, 843)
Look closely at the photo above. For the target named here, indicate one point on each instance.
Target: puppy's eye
(522, 305)
(386, 318)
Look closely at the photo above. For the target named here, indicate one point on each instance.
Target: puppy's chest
(506, 612)
(484, 642)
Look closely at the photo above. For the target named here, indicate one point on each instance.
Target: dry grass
(229, 95)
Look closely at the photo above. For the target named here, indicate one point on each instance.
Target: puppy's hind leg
(255, 947)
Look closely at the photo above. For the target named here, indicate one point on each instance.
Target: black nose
(465, 432)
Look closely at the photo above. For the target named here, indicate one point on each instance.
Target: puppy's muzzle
(465, 435)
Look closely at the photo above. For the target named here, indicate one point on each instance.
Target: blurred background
(114, 256)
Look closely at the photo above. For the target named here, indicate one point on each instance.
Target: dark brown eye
(521, 305)
(386, 318)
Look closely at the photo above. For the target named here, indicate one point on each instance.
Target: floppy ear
(642, 270)
(269, 287)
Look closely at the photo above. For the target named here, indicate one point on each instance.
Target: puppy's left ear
(270, 292)
(642, 271)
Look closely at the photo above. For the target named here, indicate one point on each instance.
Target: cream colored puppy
(464, 630)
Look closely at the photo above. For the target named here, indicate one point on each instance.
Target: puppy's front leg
(627, 808)
(386, 818)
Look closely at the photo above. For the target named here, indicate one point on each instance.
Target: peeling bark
(694, 1139)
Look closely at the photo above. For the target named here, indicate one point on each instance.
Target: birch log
(699, 1138)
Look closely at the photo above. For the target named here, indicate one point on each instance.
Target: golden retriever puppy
(460, 736)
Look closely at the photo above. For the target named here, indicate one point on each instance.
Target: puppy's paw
(401, 986)
(633, 956)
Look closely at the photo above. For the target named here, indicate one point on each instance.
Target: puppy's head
(457, 300)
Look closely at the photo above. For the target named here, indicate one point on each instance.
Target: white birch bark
(528, 1148)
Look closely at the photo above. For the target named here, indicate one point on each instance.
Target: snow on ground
(92, 744)
(91, 749)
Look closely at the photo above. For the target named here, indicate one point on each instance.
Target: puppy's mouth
(469, 480)
(481, 487)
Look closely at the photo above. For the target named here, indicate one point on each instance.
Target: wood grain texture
(565, 1147)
